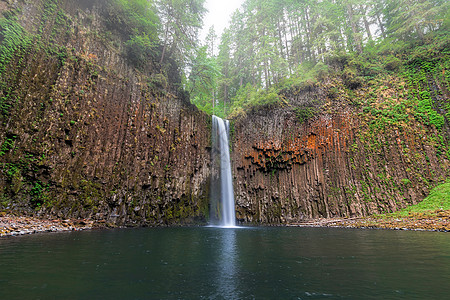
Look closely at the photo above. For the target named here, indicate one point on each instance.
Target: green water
(215, 263)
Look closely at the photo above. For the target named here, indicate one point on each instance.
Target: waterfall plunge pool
(226, 263)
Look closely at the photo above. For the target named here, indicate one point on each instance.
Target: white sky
(219, 14)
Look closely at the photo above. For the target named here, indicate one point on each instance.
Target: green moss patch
(437, 201)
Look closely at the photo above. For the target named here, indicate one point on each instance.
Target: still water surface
(226, 263)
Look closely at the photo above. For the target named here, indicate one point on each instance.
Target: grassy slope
(437, 201)
(432, 214)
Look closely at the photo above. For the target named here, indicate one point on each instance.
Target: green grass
(438, 199)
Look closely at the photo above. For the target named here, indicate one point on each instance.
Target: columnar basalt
(333, 164)
(87, 135)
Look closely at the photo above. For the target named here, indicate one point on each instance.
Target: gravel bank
(437, 221)
(12, 225)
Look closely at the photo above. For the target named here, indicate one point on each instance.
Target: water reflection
(227, 263)
(227, 278)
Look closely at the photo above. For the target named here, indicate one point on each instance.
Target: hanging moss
(8, 144)
(305, 113)
(50, 7)
(13, 39)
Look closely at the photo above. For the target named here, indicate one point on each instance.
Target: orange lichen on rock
(323, 134)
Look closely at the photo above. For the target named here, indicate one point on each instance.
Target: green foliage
(203, 82)
(7, 144)
(426, 111)
(181, 20)
(57, 51)
(305, 113)
(133, 17)
(426, 64)
(392, 63)
(13, 39)
(137, 22)
(203, 77)
(306, 75)
(438, 199)
(406, 181)
(7, 101)
(50, 7)
(38, 193)
(291, 45)
(407, 19)
(139, 48)
(11, 170)
(158, 80)
(250, 97)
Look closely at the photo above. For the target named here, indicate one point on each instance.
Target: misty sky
(219, 15)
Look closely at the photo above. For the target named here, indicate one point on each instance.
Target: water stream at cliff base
(222, 211)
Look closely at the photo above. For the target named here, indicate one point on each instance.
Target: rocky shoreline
(11, 225)
(437, 221)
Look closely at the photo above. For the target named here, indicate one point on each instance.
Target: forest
(274, 45)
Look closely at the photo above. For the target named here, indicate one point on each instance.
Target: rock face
(321, 156)
(84, 134)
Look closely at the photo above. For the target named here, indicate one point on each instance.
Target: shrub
(139, 48)
(392, 63)
(304, 113)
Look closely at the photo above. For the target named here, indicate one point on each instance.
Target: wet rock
(100, 130)
(14, 226)
(428, 222)
(330, 165)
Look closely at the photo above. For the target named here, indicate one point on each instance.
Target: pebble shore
(436, 221)
(13, 226)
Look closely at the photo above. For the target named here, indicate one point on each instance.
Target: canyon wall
(334, 150)
(84, 134)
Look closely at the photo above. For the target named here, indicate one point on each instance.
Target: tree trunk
(280, 38)
(366, 23)
(165, 44)
(419, 31)
(287, 49)
(356, 38)
(383, 33)
(213, 101)
(309, 50)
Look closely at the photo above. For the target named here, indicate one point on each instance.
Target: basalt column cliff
(336, 149)
(83, 133)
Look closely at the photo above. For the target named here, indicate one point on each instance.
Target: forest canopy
(156, 30)
(275, 44)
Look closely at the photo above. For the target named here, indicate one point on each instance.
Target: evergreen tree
(181, 21)
(271, 43)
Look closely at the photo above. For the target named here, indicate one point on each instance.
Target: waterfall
(222, 198)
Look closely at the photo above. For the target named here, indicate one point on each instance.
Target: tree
(211, 39)
(137, 21)
(274, 42)
(181, 21)
(413, 18)
(203, 79)
(224, 61)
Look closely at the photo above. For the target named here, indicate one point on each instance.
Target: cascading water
(222, 211)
